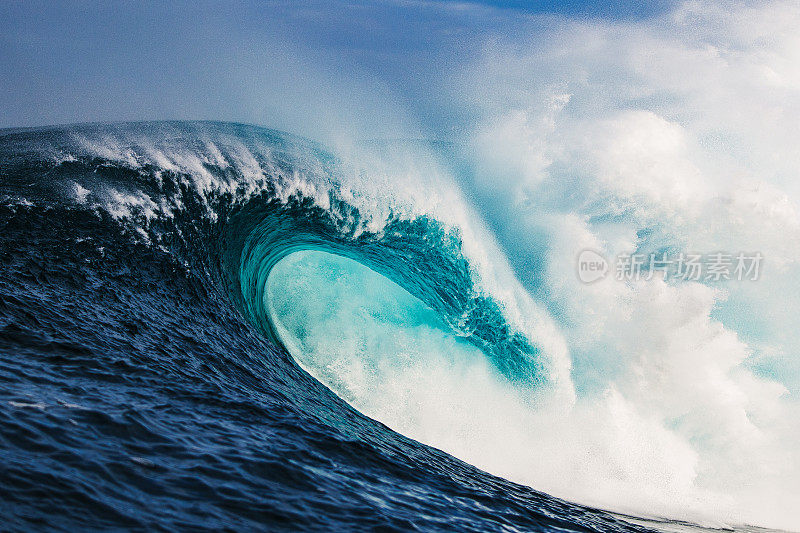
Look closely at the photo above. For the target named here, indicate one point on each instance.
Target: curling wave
(163, 281)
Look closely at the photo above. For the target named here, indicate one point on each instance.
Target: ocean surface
(212, 326)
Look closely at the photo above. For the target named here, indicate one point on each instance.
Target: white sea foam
(683, 127)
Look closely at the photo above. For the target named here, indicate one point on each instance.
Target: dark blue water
(141, 384)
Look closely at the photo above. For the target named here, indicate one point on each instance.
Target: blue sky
(282, 64)
(609, 9)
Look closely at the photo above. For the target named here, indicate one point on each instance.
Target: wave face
(207, 325)
(144, 382)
